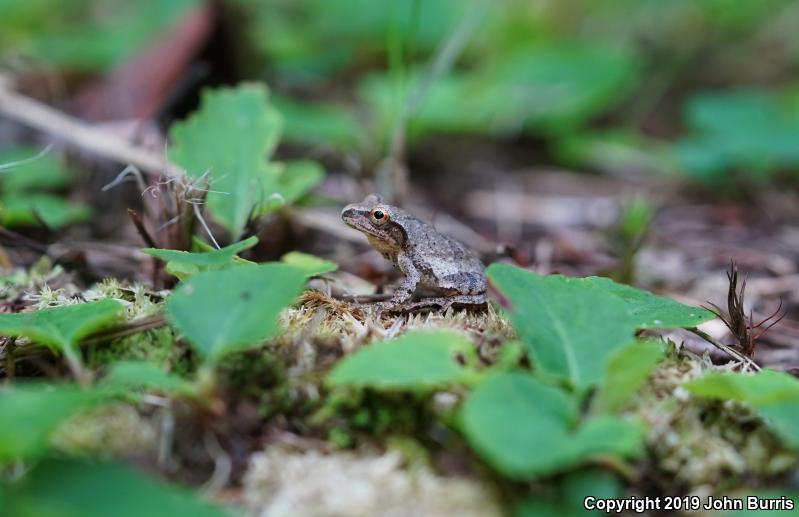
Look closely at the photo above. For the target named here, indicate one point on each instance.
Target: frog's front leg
(405, 290)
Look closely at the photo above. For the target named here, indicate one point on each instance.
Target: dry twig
(743, 328)
(33, 113)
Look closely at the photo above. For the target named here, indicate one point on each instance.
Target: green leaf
(627, 370)
(231, 309)
(608, 435)
(30, 413)
(519, 424)
(184, 264)
(592, 481)
(137, 374)
(651, 311)
(62, 327)
(29, 209)
(538, 507)
(32, 171)
(417, 359)
(71, 488)
(569, 327)
(573, 488)
(310, 264)
(753, 132)
(290, 181)
(232, 135)
(774, 395)
(765, 387)
(525, 428)
(556, 86)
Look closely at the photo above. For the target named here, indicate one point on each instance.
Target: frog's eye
(379, 216)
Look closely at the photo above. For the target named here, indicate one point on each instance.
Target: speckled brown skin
(428, 259)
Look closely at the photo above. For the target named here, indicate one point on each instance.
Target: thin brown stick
(139, 224)
(393, 166)
(20, 240)
(33, 113)
(724, 348)
(10, 347)
(76, 367)
(127, 329)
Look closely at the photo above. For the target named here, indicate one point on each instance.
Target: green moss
(696, 442)
(365, 412)
(19, 281)
(156, 346)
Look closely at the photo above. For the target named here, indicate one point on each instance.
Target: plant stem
(11, 345)
(76, 367)
(747, 362)
(442, 62)
(127, 329)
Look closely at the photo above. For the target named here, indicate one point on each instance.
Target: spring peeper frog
(429, 260)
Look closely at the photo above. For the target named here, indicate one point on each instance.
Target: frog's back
(443, 261)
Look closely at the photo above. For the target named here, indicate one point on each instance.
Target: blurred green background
(705, 89)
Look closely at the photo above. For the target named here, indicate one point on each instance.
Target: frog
(429, 260)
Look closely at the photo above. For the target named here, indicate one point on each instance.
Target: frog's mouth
(351, 214)
(355, 217)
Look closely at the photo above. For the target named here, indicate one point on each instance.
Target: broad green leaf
(518, 424)
(33, 170)
(753, 132)
(29, 209)
(765, 387)
(30, 413)
(184, 264)
(651, 311)
(593, 482)
(555, 87)
(310, 264)
(137, 374)
(525, 428)
(774, 395)
(417, 359)
(538, 507)
(608, 435)
(731, 112)
(573, 489)
(72, 488)
(627, 370)
(569, 327)
(232, 135)
(62, 327)
(230, 309)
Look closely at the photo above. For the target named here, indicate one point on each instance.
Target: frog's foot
(374, 308)
(445, 302)
(377, 308)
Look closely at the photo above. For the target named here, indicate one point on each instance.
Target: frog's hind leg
(445, 302)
